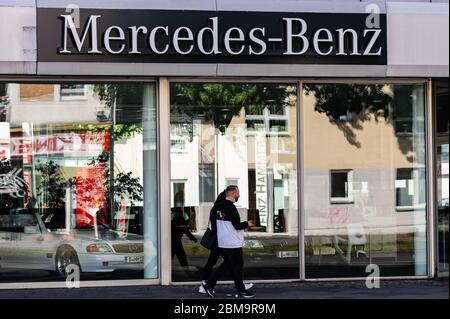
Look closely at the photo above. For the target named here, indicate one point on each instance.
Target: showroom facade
(119, 126)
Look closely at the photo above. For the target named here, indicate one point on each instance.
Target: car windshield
(56, 219)
(17, 222)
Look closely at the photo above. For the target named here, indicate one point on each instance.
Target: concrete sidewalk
(389, 289)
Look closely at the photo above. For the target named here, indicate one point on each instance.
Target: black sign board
(165, 36)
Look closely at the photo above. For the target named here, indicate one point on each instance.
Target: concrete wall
(418, 39)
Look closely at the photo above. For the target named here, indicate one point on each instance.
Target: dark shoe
(208, 290)
(245, 294)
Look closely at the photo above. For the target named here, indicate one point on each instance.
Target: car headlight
(99, 248)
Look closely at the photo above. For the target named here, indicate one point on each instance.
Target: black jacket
(226, 223)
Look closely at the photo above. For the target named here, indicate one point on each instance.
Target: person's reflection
(180, 227)
(179, 198)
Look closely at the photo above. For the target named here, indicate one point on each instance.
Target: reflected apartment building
(366, 195)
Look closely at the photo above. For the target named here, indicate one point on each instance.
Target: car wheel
(64, 257)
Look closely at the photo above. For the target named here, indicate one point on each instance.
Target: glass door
(240, 134)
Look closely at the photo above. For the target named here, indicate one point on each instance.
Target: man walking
(214, 253)
(226, 222)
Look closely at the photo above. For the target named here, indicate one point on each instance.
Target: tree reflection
(91, 190)
(4, 102)
(218, 103)
(347, 106)
(51, 189)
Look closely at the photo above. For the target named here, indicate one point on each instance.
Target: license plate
(134, 259)
(287, 254)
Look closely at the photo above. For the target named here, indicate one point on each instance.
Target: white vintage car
(27, 243)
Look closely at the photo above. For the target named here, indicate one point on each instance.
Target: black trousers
(178, 250)
(214, 255)
(234, 264)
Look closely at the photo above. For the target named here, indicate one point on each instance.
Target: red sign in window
(91, 195)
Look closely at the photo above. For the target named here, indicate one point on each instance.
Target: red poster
(91, 195)
(27, 179)
(26, 155)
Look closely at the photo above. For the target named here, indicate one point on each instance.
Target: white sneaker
(201, 290)
(248, 285)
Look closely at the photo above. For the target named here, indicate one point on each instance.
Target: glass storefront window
(240, 134)
(365, 150)
(442, 151)
(77, 181)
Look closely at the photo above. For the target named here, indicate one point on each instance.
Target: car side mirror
(31, 230)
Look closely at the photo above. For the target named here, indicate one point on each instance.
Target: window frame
(342, 200)
(415, 172)
(66, 98)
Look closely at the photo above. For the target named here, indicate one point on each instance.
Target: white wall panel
(417, 39)
(18, 39)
